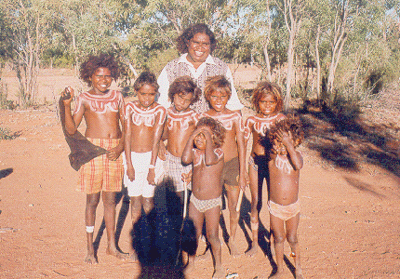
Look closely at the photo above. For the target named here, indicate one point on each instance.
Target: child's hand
(285, 137)
(67, 95)
(151, 177)
(130, 172)
(114, 153)
(162, 151)
(187, 177)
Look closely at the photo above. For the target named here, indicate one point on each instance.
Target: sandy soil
(349, 221)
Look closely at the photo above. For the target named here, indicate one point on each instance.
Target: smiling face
(267, 105)
(198, 49)
(146, 95)
(218, 100)
(101, 80)
(182, 101)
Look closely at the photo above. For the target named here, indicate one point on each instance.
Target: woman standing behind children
(283, 203)
(143, 126)
(204, 152)
(267, 102)
(181, 122)
(217, 93)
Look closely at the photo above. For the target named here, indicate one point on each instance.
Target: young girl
(267, 102)
(204, 152)
(283, 204)
(217, 93)
(181, 122)
(103, 111)
(143, 126)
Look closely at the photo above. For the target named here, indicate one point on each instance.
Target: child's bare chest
(181, 121)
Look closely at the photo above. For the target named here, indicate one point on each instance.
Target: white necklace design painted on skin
(282, 163)
(183, 118)
(100, 103)
(227, 120)
(146, 117)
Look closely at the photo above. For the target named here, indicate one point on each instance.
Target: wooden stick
(239, 202)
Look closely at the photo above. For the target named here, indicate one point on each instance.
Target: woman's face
(199, 48)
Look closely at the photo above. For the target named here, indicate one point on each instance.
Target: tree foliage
(315, 48)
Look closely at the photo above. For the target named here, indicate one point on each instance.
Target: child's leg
(233, 195)
(212, 224)
(92, 201)
(291, 235)
(198, 219)
(109, 220)
(136, 209)
(254, 222)
(278, 231)
(148, 205)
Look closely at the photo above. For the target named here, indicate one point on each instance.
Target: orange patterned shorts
(101, 174)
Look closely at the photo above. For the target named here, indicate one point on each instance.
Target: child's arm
(71, 122)
(130, 171)
(115, 152)
(162, 149)
(158, 130)
(295, 157)
(187, 154)
(210, 157)
(241, 144)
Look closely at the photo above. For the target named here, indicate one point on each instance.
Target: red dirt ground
(349, 224)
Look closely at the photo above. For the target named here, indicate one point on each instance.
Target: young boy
(283, 203)
(181, 122)
(267, 102)
(103, 110)
(144, 122)
(217, 93)
(204, 152)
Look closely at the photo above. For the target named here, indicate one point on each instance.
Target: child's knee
(292, 239)
(279, 238)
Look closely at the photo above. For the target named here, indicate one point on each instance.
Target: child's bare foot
(253, 251)
(232, 247)
(205, 255)
(91, 259)
(219, 272)
(117, 254)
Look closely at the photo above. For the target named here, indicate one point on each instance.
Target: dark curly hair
(267, 88)
(217, 83)
(93, 62)
(292, 124)
(182, 41)
(146, 78)
(184, 85)
(217, 129)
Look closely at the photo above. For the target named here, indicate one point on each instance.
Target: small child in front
(203, 150)
(103, 110)
(283, 203)
(217, 93)
(181, 122)
(268, 103)
(144, 123)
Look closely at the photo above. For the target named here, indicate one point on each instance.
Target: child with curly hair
(267, 102)
(283, 203)
(203, 151)
(103, 110)
(181, 122)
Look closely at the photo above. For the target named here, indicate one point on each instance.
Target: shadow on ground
(344, 139)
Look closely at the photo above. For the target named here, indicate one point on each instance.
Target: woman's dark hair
(188, 34)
